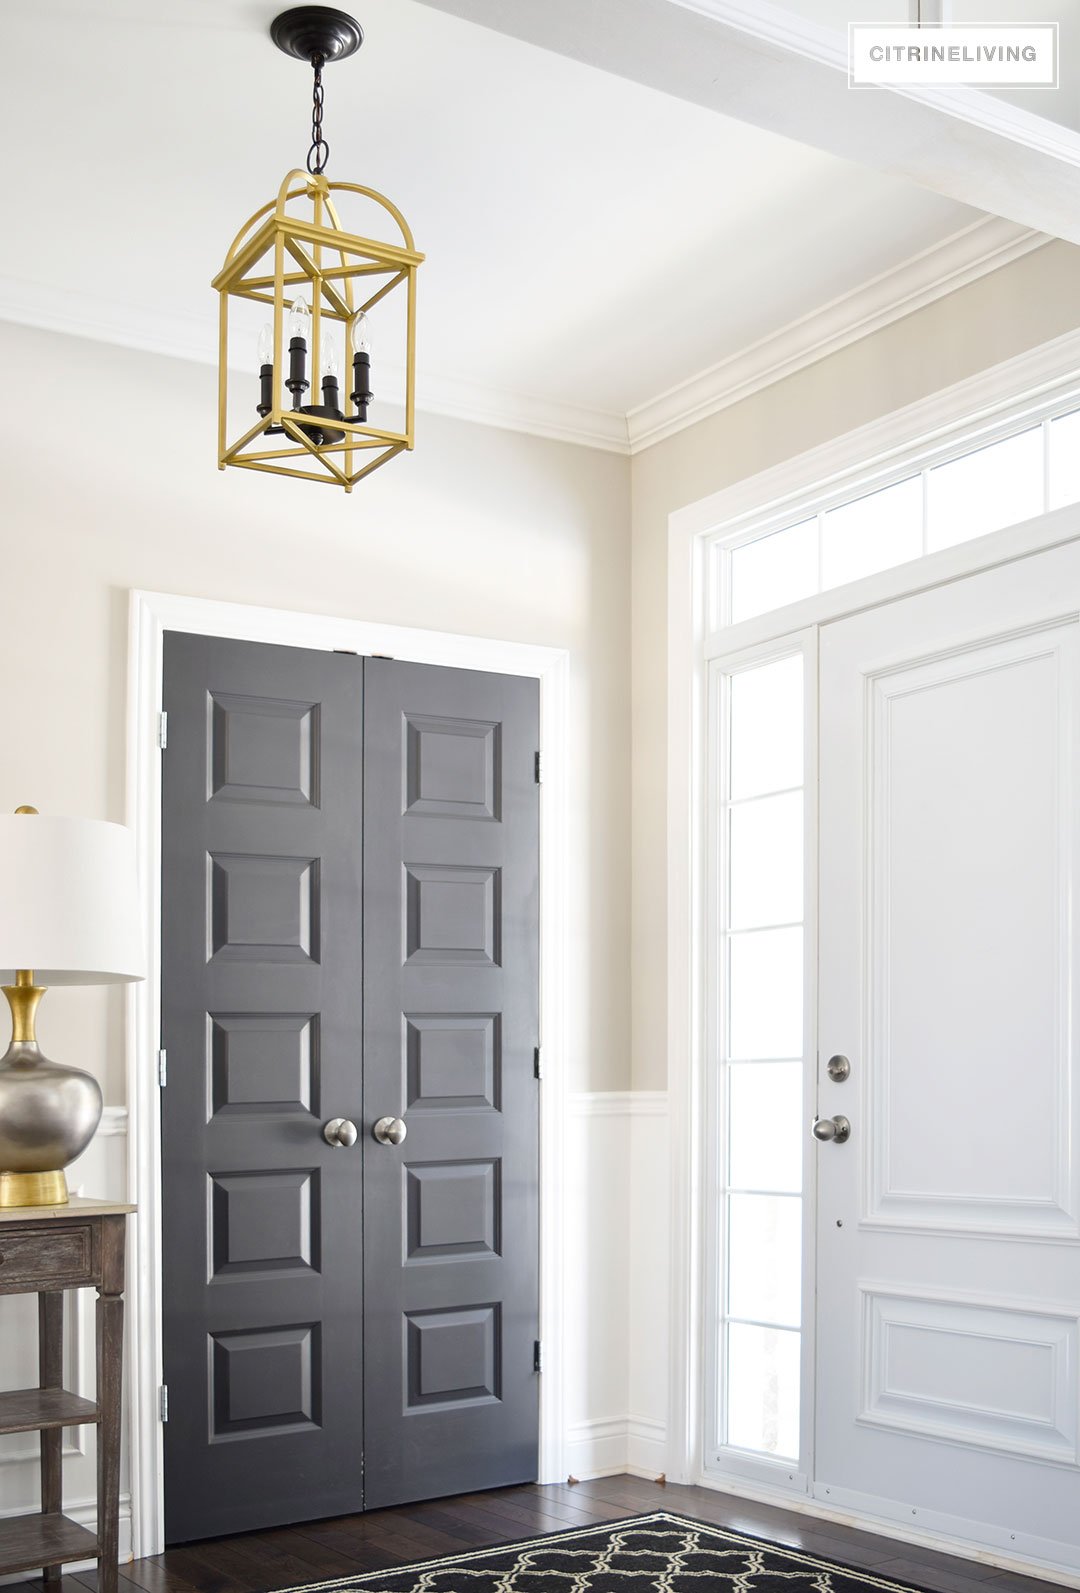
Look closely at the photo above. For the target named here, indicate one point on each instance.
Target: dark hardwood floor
(314, 1551)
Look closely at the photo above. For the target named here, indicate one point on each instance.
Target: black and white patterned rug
(657, 1553)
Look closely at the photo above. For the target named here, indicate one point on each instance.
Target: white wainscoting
(101, 1172)
(616, 1311)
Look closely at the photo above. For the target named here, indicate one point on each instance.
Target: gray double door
(349, 932)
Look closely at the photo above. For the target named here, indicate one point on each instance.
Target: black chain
(319, 153)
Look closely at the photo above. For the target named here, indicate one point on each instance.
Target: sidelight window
(758, 1045)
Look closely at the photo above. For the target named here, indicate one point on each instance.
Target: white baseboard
(646, 1447)
(611, 1446)
(597, 1448)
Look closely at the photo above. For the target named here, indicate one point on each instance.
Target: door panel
(967, 956)
(261, 1018)
(949, 1222)
(451, 990)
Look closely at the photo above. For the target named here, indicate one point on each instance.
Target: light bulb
(266, 344)
(360, 334)
(299, 319)
(329, 362)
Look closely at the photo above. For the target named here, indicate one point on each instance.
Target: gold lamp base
(33, 1189)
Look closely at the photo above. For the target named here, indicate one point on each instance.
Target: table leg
(51, 1375)
(110, 1360)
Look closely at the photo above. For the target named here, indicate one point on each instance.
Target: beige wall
(1026, 303)
(480, 531)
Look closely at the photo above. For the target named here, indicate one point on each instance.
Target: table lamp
(69, 915)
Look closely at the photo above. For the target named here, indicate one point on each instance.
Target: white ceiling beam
(929, 13)
(763, 65)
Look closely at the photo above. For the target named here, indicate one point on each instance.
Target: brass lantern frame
(339, 269)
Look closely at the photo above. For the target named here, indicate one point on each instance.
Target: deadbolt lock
(838, 1068)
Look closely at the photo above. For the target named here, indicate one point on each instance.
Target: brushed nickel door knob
(339, 1131)
(837, 1129)
(390, 1131)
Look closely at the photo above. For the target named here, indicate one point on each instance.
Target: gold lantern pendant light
(321, 282)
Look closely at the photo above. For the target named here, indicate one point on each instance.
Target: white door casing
(948, 1371)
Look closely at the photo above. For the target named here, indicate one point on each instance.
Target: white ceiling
(590, 241)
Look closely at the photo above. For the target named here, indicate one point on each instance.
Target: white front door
(948, 1329)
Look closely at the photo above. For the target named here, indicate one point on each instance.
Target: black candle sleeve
(266, 390)
(297, 383)
(362, 395)
(330, 394)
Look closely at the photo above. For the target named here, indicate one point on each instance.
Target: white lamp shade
(69, 904)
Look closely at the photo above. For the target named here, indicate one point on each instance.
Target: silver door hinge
(163, 730)
(163, 1402)
(538, 769)
(538, 1356)
(162, 1067)
(536, 1061)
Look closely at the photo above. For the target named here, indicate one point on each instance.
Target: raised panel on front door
(983, 1372)
(951, 973)
(451, 874)
(262, 1024)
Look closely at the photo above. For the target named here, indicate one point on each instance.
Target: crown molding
(962, 258)
(192, 338)
(983, 247)
(84, 315)
(497, 406)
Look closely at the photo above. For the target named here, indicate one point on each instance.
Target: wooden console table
(45, 1250)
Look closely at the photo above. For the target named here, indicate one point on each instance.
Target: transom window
(934, 505)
